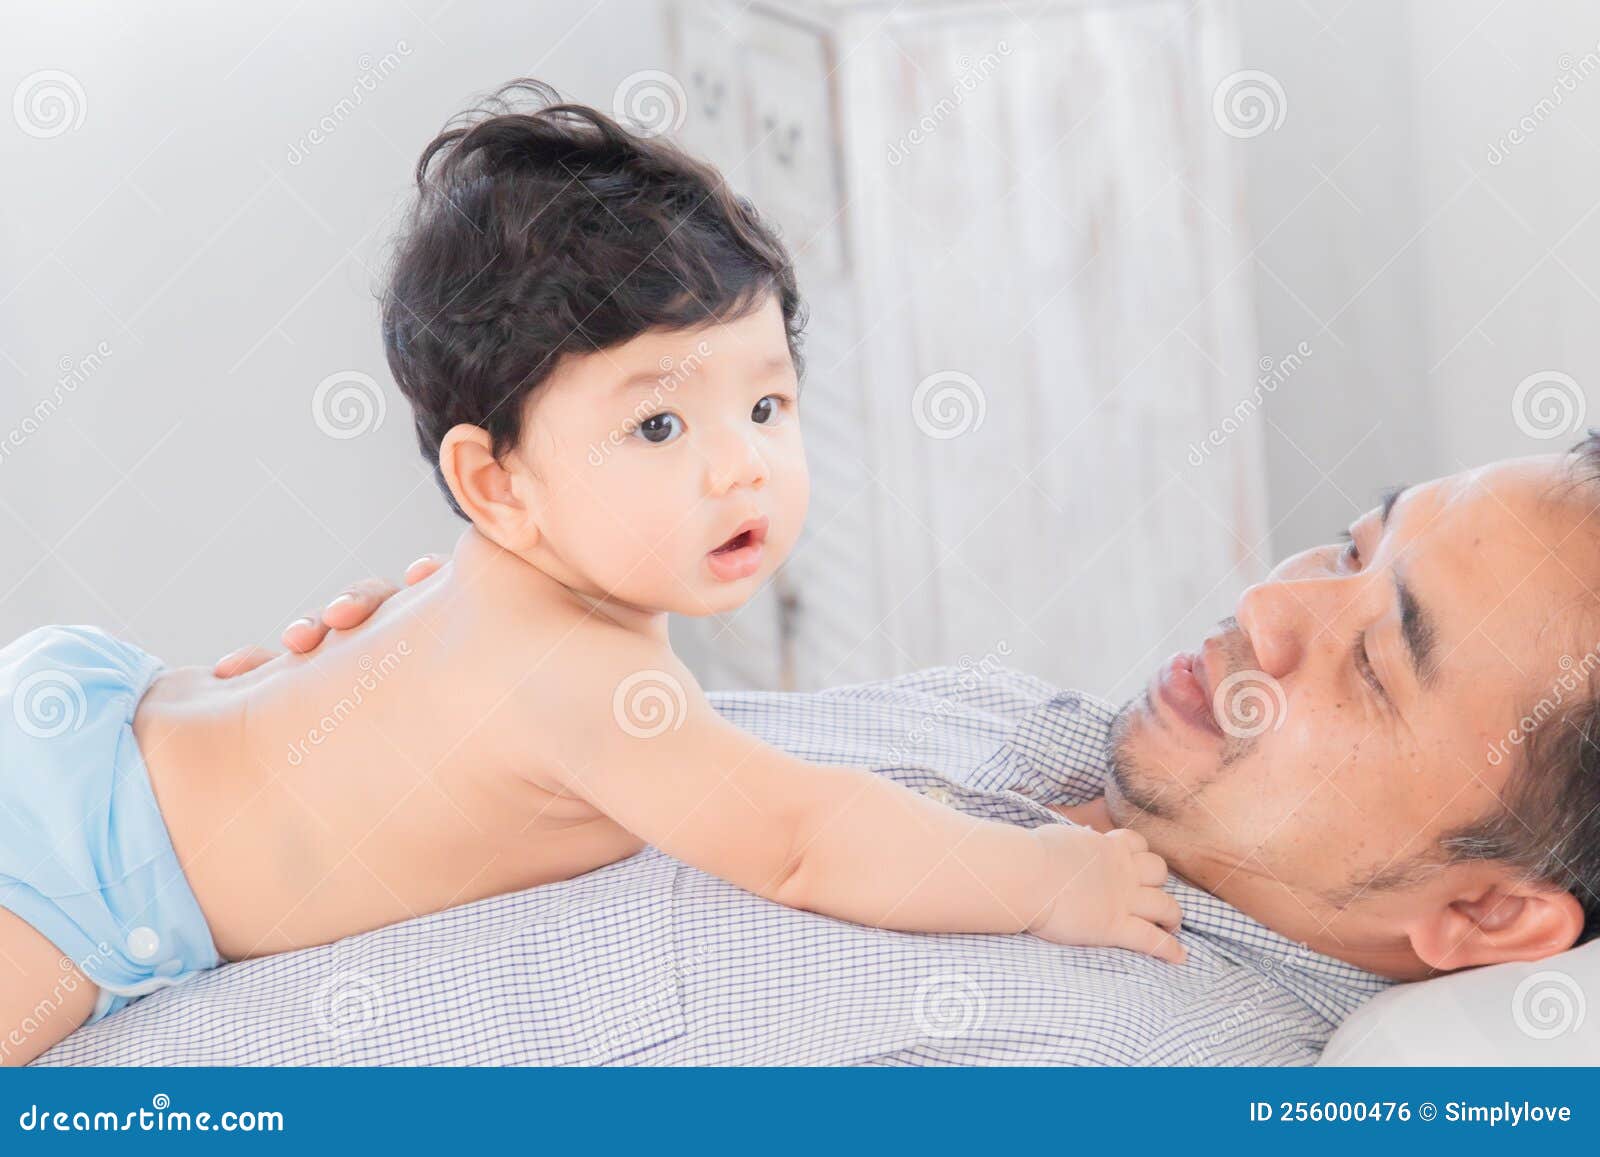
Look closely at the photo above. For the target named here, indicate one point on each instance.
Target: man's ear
(490, 494)
(1498, 916)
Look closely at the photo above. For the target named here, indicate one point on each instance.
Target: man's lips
(739, 556)
(1182, 690)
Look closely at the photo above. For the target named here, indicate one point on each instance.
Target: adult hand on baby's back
(351, 608)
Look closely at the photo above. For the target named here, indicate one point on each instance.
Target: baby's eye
(659, 429)
(768, 410)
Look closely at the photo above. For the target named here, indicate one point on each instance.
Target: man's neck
(1396, 960)
(1091, 815)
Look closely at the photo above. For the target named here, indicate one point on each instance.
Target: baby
(599, 343)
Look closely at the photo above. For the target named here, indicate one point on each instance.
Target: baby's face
(669, 471)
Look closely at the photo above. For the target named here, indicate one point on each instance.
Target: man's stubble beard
(1134, 792)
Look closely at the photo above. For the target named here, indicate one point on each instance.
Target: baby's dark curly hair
(551, 231)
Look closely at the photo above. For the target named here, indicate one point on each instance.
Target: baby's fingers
(1143, 936)
(1149, 869)
(1129, 839)
(1158, 907)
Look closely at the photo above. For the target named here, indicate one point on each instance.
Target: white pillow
(1507, 1014)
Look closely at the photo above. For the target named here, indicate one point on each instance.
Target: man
(1380, 768)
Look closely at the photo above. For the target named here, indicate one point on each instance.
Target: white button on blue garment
(143, 943)
(938, 795)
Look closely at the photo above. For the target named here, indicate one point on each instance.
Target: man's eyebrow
(1417, 628)
(1390, 497)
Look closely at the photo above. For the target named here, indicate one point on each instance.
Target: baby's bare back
(382, 778)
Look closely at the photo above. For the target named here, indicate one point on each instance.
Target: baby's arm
(840, 840)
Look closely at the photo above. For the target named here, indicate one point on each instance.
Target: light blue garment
(84, 853)
(649, 961)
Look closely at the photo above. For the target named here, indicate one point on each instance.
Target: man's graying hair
(1548, 821)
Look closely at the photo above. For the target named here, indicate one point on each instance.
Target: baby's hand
(1106, 890)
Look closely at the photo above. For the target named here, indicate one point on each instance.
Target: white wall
(1431, 279)
(1332, 201)
(1511, 252)
(183, 493)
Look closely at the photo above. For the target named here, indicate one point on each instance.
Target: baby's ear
(486, 490)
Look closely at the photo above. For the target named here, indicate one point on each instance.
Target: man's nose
(1282, 616)
(733, 459)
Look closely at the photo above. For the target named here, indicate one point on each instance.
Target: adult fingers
(303, 634)
(242, 660)
(423, 567)
(356, 603)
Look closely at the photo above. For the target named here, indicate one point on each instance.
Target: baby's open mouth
(740, 555)
(742, 539)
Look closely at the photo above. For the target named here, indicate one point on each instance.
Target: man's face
(1325, 758)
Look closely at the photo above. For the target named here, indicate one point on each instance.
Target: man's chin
(1141, 779)
(1152, 771)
